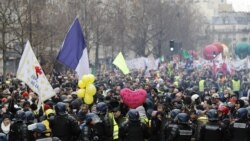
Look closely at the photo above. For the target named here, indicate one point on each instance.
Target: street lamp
(171, 44)
(171, 49)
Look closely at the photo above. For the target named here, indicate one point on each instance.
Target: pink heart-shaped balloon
(133, 99)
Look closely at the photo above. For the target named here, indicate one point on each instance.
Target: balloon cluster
(212, 50)
(87, 88)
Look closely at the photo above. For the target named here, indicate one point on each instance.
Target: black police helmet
(92, 117)
(133, 115)
(20, 115)
(29, 117)
(182, 117)
(101, 108)
(212, 115)
(60, 108)
(241, 114)
(81, 115)
(174, 113)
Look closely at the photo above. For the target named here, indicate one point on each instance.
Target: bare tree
(141, 27)
(6, 22)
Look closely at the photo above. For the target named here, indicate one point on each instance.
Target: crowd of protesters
(181, 105)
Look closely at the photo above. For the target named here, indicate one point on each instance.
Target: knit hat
(25, 94)
(46, 107)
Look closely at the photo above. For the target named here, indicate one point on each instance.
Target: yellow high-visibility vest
(201, 85)
(236, 85)
(48, 130)
(115, 129)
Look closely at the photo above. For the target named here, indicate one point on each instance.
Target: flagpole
(53, 65)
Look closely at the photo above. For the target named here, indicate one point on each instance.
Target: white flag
(30, 72)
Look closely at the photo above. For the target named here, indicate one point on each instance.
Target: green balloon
(242, 49)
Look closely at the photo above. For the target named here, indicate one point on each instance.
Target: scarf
(6, 129)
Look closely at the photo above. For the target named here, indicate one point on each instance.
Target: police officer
(94, 130)
(19, 130)
(62, 125)
(240, 128)
(102, 112)
(183, 131)
(38, 132)
(172, 123)
(134, 129)
(213, 130)
(85, 132)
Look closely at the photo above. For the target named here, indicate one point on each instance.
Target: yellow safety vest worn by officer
(201, 85)
(144, 120)
(115, 129)
(236, 85)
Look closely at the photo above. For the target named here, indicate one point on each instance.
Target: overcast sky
(240, 5)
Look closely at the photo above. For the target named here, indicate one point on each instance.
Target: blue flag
(73, 52)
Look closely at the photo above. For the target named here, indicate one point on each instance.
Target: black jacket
(183, 132)
(19, 132)
(64, 127)
(213, 131)
(133, 131)
(240, 130)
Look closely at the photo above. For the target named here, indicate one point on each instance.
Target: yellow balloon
(81, 93)
(81, 84)
(88, 99)
(85, 79)
(91, 89)
(91, 78)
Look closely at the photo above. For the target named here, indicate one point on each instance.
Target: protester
(5, 125)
